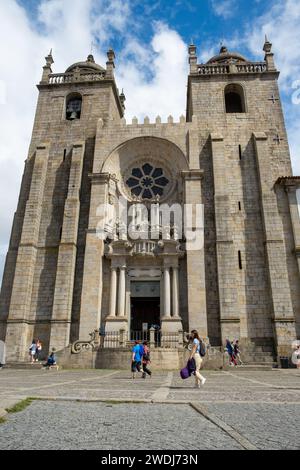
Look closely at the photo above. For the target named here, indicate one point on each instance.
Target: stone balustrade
(144, 248)
(213, 69)
(221, 69)
(254, 67)
(62, 78)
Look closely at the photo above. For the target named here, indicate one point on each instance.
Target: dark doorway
(144, 310)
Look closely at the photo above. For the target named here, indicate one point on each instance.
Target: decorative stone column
(121, 292)
(113, 292)
(155, 221)
(167, 293)
(117, 319)
(171, 320)
(175, 292)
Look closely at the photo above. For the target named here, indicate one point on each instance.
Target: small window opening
(240, 152)
(73, 107)
(234, 99)
(240, 260)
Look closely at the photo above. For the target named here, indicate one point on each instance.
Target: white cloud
(165, 58)
(224, 8)
(69, 27)
(281, 24)
(153, 75)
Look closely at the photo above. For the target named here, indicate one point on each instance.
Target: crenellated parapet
(146, 122)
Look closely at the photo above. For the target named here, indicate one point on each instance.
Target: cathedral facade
(228, 155)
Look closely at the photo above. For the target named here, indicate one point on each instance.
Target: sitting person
(51, 361)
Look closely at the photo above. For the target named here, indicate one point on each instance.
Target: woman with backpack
(197, 353)
(146, 360)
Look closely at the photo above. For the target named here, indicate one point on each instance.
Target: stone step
(254, 358)
(24, 365)
(261, 347)
(257, 353)
(254, 366)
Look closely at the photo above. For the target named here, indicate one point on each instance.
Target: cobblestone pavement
(101, 426)
(234, 410)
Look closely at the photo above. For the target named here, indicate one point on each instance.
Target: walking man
(136, 359)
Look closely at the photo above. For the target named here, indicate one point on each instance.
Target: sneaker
(203, 381)
(197, 386)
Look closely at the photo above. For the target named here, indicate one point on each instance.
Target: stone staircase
(258, 355)
(24, 365)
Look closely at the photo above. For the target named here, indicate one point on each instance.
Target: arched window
(73, 107)
(234, 99)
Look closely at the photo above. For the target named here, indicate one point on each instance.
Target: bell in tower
(73, 109)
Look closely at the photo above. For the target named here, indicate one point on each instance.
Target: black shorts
(136, 366)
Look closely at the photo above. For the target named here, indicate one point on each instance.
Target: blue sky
(150, 39)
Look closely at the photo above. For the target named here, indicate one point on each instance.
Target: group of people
(233, 350)
(35, 350)
(140, 359)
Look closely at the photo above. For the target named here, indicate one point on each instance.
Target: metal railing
(155, 339)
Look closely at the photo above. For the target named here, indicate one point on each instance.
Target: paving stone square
(100, 409)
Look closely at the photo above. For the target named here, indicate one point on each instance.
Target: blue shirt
(137, 352)
(197, 342)
(51, 359)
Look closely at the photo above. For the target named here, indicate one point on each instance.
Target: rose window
(147, 182)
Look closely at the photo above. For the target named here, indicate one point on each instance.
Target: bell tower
(243, 151)
(46, 252)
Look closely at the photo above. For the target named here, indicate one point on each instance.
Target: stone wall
(50, 126)
(161, 359)
(240, 184)
(244, 284)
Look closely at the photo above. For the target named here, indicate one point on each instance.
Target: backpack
(202, 351)
(146, 356)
